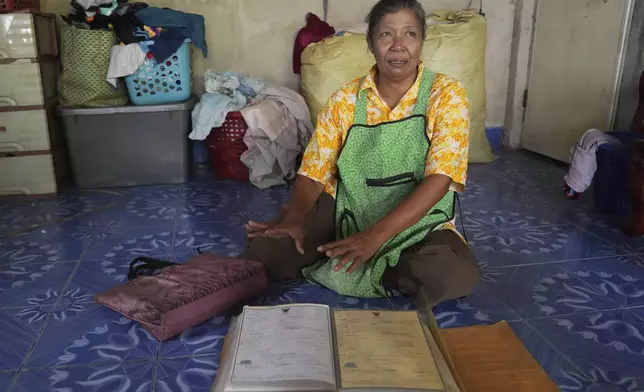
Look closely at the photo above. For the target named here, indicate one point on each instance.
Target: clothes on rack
(191, 26)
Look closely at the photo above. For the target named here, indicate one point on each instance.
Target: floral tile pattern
(20, 329)
(6, 378)
(543, 290)
(91, 334)
(33, 284)
(570, 284)
(18, 216)
(186, 374)
(560, 369)
(607, 346)
(136, 377)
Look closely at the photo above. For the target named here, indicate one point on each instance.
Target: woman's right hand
(278, 228)
(290, 222)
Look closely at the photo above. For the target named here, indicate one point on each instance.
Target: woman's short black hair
(385, 7)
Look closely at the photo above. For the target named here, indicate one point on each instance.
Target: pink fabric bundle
(181, 296)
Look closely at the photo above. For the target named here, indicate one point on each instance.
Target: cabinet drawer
(21, 84)
(27, 175)
(23, 131)
(27, 36)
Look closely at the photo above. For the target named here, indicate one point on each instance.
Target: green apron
(378, 167)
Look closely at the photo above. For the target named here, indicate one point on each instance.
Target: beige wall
(255, 37)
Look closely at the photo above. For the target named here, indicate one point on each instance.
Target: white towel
(583, 159)
(125, 60)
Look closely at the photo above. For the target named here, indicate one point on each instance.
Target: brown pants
(439, 268)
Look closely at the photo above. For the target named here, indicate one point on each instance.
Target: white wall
(255, 37)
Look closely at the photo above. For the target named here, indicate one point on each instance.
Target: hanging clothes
(583, 160)
(279, 129)
(191, 26)
(125, 60)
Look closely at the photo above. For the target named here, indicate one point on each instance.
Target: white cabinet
(26, 83)
(27, 175)
(27, 36)
(28, 98)
(24, 131)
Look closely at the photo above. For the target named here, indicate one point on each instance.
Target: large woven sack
(455, 46)
(328, 64)
(85, 57)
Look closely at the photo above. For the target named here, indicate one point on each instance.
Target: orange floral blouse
(448, 128)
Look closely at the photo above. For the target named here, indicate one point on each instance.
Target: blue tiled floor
(570, 284)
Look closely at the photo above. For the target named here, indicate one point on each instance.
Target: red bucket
(226, 146)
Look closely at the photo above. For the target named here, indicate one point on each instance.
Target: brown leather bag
(181, 296)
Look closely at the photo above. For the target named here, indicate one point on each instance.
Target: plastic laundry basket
(160, 83)
(226, 146)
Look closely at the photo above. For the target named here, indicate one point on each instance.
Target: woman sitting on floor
(373, 203)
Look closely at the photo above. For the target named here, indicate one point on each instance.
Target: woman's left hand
(356, 249)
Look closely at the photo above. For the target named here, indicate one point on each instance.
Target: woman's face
(396, 43)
